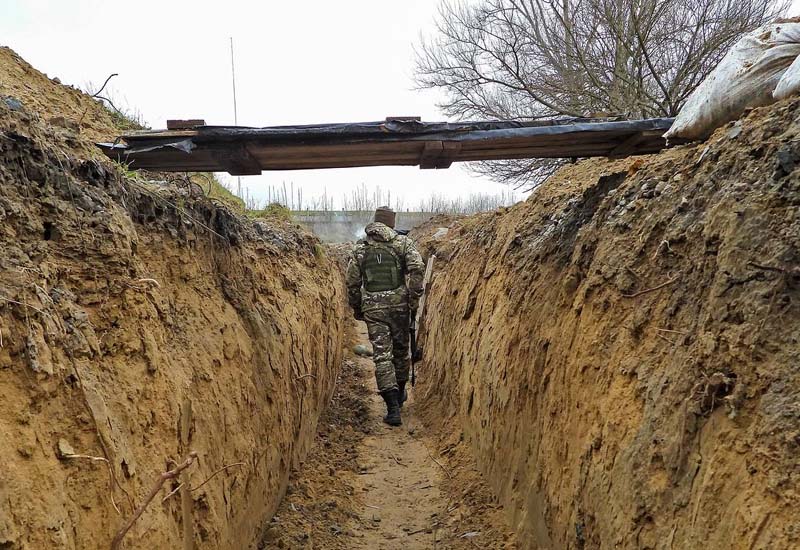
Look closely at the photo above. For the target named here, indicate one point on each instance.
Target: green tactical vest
(382, 269)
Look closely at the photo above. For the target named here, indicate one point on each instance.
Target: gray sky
(296, 62)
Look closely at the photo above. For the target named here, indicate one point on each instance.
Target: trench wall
(139, 324)
(620, 352)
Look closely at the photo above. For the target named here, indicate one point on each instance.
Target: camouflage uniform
(387, 312)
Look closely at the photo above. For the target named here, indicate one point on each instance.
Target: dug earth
(145, 330)
(621, 350)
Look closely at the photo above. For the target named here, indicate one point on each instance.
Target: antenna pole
(235, 116)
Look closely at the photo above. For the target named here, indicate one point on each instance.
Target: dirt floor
(366, 485)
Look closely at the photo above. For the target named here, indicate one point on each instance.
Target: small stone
(662, 188)
(735, 131)
(13, 103)
(336, 529)
(376, 519)
(786, 160)
(64, 449)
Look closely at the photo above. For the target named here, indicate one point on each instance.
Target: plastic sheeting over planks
(393, 142)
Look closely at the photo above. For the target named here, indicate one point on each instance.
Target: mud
(620, 351)
(140, 323)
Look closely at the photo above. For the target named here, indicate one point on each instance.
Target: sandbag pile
(761, 68)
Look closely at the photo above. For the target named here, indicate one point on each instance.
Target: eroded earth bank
(141, 322)
(620, 352)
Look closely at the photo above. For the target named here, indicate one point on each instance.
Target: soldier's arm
(415, 269)
(353, 282)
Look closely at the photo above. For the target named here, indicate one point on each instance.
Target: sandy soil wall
(139, 324)
(621, 351)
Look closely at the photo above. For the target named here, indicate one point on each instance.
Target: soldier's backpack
(382, 268)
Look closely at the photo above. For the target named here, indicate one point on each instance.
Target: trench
(617, 370)
(367, 485)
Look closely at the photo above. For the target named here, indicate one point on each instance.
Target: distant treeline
(363, 199)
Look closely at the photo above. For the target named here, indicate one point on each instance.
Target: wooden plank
(631, 144)
(144, 137)
(243, 153)
(403, 118)
(351, 159)
(263, 151)
(538, 152)
(185, 124)
(345, 164)
(244, 162)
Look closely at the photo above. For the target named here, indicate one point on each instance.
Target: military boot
(402, 393)
(392, 400)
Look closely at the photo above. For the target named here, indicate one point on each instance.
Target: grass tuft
(273, 211)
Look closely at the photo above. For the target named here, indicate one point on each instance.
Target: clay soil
(140, 324)
(366, 485)
(621, 350)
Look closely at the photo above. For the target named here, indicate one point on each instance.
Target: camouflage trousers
(389, 334)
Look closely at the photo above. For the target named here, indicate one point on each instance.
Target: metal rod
(235, 116)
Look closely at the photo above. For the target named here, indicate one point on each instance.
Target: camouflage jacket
(413, 267)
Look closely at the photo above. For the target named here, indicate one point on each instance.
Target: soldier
(384, 285)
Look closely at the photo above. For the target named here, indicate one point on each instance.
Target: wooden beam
(430, 154)
(185, 124)
(403, 118)
(237, 161)
(245, 151)
(439, 154)
(450, 152)
(630, 145)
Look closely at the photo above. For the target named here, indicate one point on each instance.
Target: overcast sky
(296, 63)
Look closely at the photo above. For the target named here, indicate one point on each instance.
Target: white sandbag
(790, 81)
(746, 77)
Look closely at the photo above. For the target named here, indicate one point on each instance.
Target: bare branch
(171, 474)
(529, 59)
(103, 87)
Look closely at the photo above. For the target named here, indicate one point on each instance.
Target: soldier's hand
(359, 315)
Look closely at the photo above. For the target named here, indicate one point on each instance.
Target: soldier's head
(385, 215)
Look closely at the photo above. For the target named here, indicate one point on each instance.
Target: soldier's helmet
(385, 215)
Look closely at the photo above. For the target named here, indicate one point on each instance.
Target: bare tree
(531, 59)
